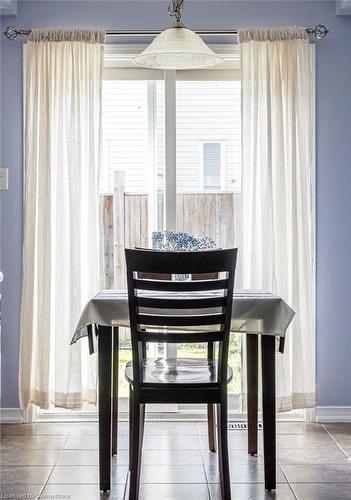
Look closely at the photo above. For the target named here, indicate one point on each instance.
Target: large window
(172, 154)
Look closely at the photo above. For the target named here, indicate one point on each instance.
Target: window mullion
(170, 183)
(152, 183)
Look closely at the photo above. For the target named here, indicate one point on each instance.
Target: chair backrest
(174, 311)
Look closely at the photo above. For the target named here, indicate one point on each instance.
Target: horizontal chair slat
(208, 319)
(198, 262)
(181, 286)
(181, 303)
(184, 393)
(178, 338)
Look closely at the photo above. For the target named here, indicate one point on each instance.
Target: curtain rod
(13, 33)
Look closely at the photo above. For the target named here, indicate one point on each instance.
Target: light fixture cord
(175, 10)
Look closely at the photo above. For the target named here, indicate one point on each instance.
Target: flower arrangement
(180, 242)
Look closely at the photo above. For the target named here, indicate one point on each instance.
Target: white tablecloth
(253, 312)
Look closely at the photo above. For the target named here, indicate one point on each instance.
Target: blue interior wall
(333, 186)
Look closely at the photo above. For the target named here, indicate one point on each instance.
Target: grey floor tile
(163, 474)
(89, 457)
(343, 439)
(3, 428)
(174, 492)
(322, 491)
(202, 428)
(78, 457)
(165, 441)
(336, 473)
(37, 429)
(235, 457)
(236, 441)
(172, 457)
(82, 492)
(17, 491)
(244, 473)
(176, 428)
(91, 442)
(82, 442)
(86, 428)
(347, 451)
(31, 442)
(312, 440)
(12, 456)
(85, 474)
(25, 474)
(253, 492)
(299, 428)
(338, 428)
(239, 442)
(317, 456)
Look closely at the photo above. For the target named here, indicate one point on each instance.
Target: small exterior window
(212, 161)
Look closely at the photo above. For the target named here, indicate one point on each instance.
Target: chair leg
(211, 417)
(135, 465)
(252, 391)
(115, 367)
(211, 424)
(268, 410)
(223, 459)
(131, 395)
(142, 424)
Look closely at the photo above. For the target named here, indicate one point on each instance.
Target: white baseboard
(11, 416)
(333, 414)
(69, 416)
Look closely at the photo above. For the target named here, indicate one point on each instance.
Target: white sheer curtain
(62, 144)
(277, 76)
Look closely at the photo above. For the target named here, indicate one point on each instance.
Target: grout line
(208, 491)
(337, 444)
(286, 477)
(53, 467)
(293, 491)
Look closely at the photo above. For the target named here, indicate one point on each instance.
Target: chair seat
(190, 371)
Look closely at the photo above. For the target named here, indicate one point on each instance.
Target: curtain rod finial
(320, 31)
(11, 33)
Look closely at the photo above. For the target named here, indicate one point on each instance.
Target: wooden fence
(124, 223)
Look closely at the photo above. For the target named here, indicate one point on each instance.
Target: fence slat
(118, 228)
(106, 239)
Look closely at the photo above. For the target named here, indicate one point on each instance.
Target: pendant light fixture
(177, 47)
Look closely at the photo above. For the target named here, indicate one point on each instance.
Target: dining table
(255, 313)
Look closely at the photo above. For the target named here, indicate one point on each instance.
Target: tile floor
(60, 461)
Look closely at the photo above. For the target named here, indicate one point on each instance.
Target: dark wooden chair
(196, 317)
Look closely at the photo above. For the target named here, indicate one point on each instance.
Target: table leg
(252, 391)
(105, 386)
(268, 410)
(90, 339)
(115, 363)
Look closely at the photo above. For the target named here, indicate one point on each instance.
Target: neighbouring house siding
(125, 122)
(207, 111)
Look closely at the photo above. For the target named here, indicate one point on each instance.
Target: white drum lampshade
(177, 48)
